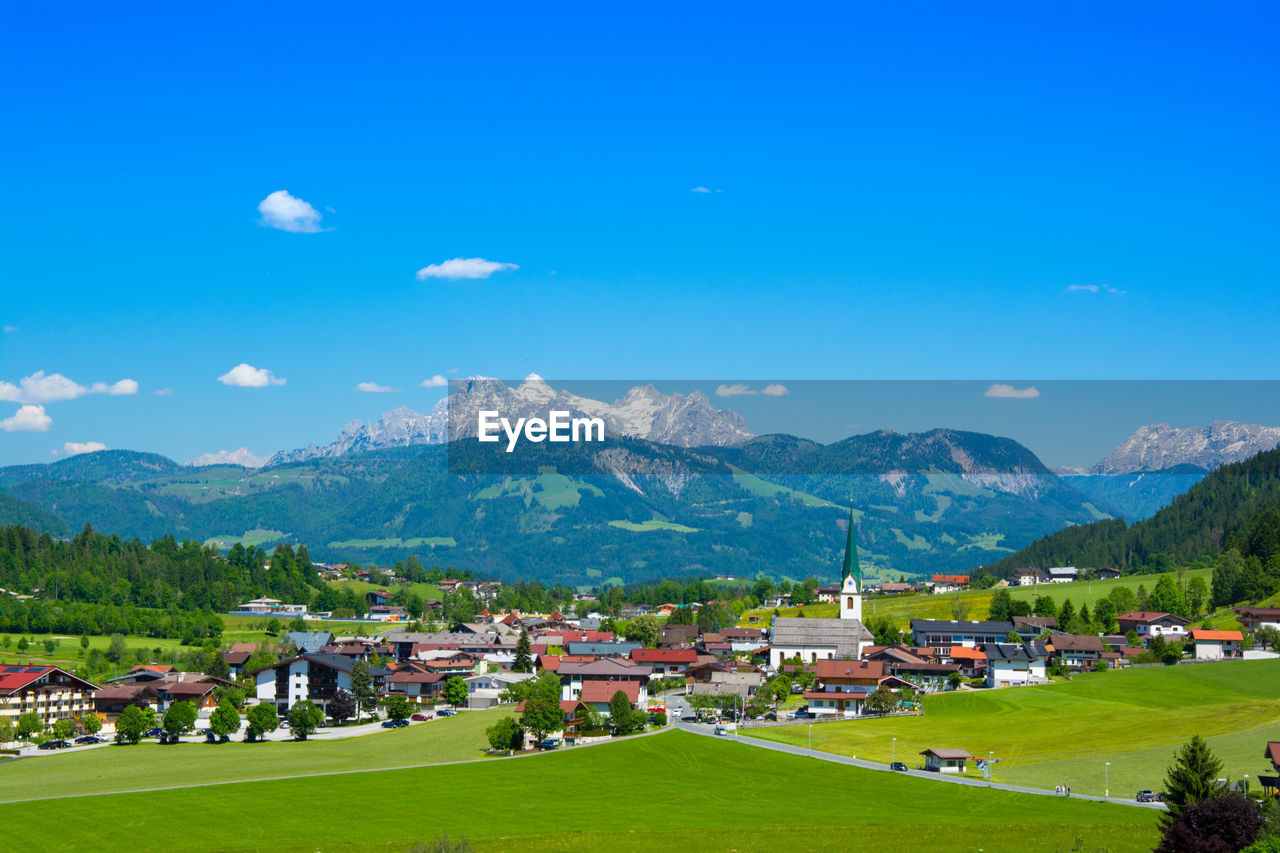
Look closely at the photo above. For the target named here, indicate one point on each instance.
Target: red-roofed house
(666, 661)
(1216, 645)
(51, 692)
(949, 583)
(598, 694)
(1148, 623)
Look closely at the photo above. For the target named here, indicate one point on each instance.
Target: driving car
(721, 730)
(899, 766)
(420, 717)
(1145, 796)
(87, 739)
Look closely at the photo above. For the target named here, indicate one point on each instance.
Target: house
(841, 687)
(948, 583)
(51, 692)
(1015, 664)
(1078, 651)
(1256, 618)
(827, 593)
(1150, 623)
(666, 661)
(919, 666)
(972, 662)
(311, 676)
(307, 642)
(721, 678)
(1216, 645)
(895, 588)
(376, 597)
(143, 672)
(1063, 574)
(817, 639)
(614, 650)
(416, 685)
(946, 760)
(1106, 574)
(160, 694)
(575, 676)
(941, 635)
(1271, 784)
(1029, 577)
(1030, 627)
(388, 613)
(574, 711)
(599, 694)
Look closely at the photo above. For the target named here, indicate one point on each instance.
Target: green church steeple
(851, 566)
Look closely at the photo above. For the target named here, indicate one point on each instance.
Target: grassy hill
(1065, 733)
(671, 790)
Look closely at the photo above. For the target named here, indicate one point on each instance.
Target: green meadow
(150, 765)
(676, 789)
(1064, 733)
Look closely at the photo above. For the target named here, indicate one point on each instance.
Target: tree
(262, 720)
(644, 629)
(624, 718)
(1197, 596)
(84, 641)
(1012, 637)
(133, 723)
(1268, 638)
(1167, 598)
(681, 616)
(29, 724)
(1001, 608)
(1222, 824)
(881, 701)
(272, 628)
(505, 734)
(1046, 607)
(398, 707)
(954, 680)
(224, 721)
(180, 718)
(455, 691)
(542, 714)
(23, 645)
(1104, 613)
(342, 706)
(524, 654)
(91, 724)
(1192, 777)
(117, 648)
(298, 625)
(64, 728)
(1066, 615)
(304, 718)
(362, 687)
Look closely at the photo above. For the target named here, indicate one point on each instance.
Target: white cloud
(71, 448)
(699, 190)
(162, 392)
(375, 388)
(247, 376)
(463, 268)
(775, 389)
(40, 387)
(1008, 392)
(289, 213)
(1094, 288)
(27, 419)
(436, 381)
(10, 329)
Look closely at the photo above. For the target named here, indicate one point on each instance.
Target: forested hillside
(1235, 508)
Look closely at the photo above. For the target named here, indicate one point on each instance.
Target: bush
(660, 718)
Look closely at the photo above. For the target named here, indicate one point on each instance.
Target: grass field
(414, 542)
(425, 591)
(652, 524)
(249, 539)
(677, 789)
(903, 608)
(149, 765)
(1064, 733)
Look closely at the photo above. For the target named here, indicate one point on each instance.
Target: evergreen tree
(524, 656)
(1192, 777)
(362, 688)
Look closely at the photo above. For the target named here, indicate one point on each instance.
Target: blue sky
(896, 191)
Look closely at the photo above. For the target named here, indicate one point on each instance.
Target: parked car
(899, 766)
(691, 718)
(156, 732)
(1145, 796)
(395, 724)
(549, 743)
(88, 739)
(721, 730)
(447, 712)
(55, 744)
(420, 717)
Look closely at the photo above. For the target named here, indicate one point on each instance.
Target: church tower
(851, 575)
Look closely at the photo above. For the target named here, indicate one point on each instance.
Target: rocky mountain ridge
(1158, 447)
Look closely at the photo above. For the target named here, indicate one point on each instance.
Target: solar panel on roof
(35, 669)
(13, 669)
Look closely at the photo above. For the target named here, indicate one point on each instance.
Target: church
(823, 639)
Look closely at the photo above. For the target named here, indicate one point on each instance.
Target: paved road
(709, 731)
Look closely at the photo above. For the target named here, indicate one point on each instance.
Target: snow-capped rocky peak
(1155, 447)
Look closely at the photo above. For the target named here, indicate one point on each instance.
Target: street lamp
(811, 737)
(1107, 790)
(894, 752)
(991, 753)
